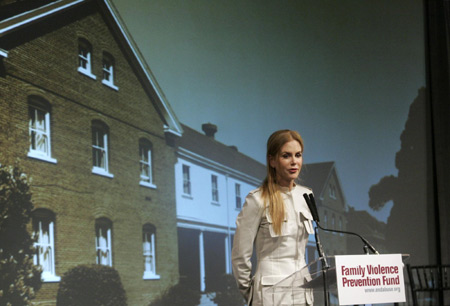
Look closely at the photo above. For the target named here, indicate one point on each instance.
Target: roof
(316, 175)
(12, 8)
(24, 20)
(209, 149)
(363, 222)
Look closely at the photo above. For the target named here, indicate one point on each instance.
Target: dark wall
(437, 29)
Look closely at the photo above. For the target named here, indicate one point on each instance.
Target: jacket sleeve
(247, 224)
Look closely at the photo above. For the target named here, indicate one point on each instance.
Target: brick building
(82, 114)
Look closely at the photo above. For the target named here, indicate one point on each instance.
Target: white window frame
(149, 252)
(333, 223)
(332, 191)
(108, 70)
(214, 188)
(103, 242)
(41, 132)
(101, 134)
(85, 58)
(43, 231)
(187, 186)
(145, 162)
(237, 189)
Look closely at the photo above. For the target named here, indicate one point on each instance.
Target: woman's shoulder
(255, 196)
(255, 193)
(304, 189)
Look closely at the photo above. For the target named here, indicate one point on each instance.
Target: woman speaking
(274, 219)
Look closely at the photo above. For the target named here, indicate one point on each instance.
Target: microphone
(312, 207)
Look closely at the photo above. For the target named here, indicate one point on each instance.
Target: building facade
(83, 117)
(366, 225)
(331, 204)
(211, 183)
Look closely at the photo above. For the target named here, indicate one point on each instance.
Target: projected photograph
(131, 133)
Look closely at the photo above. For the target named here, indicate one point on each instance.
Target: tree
(182, 294)
(19, 277)
(227, 292)
(408, 190)
(91, 285)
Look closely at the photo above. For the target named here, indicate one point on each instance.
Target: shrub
(19, 277)
(226, 292)
(91, 285)
(181, 294)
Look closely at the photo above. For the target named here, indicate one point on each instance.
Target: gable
(324, 180)
(50, 36)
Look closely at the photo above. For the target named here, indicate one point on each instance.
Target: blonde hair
(270, 189)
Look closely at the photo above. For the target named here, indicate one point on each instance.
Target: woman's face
(288, 163)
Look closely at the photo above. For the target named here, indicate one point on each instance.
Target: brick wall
(43, 62)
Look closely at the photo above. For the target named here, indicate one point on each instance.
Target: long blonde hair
(270, 188)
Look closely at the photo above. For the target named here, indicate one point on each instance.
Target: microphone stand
(309, 198)
(367, 246)
(325, 265)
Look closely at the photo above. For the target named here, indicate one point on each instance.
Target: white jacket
(277, 255)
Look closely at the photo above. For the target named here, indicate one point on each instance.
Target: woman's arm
(247, 224)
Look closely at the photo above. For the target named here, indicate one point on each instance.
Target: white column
(202, 262)
(227, 255)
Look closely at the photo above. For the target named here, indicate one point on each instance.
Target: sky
(342, 73)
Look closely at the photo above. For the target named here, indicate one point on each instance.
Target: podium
(360, 279)
(305, 286)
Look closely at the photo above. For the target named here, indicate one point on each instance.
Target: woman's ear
(271, 161)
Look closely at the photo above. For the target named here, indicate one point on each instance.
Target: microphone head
(312, 206)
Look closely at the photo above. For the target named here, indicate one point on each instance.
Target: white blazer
(277, 255)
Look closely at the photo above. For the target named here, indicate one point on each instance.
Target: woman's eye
(298, 155)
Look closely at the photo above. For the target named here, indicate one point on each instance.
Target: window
(108, 70)
(85, 58)
(103, 228)
(43, 231)
(148, 245)
(332, 191)
(100, 149)
(341, 228)
(145, 162)
(333, 222)
(214, 189)
(186, 180)
(238, 196)
(39, 130)
(325, 219)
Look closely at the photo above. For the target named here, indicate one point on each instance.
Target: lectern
(305, 285)
(346, 280)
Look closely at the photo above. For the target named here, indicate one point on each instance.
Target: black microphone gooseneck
(312, 206)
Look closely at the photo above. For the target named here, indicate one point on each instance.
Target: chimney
(209, 129)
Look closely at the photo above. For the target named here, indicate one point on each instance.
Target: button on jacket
(278, 255)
